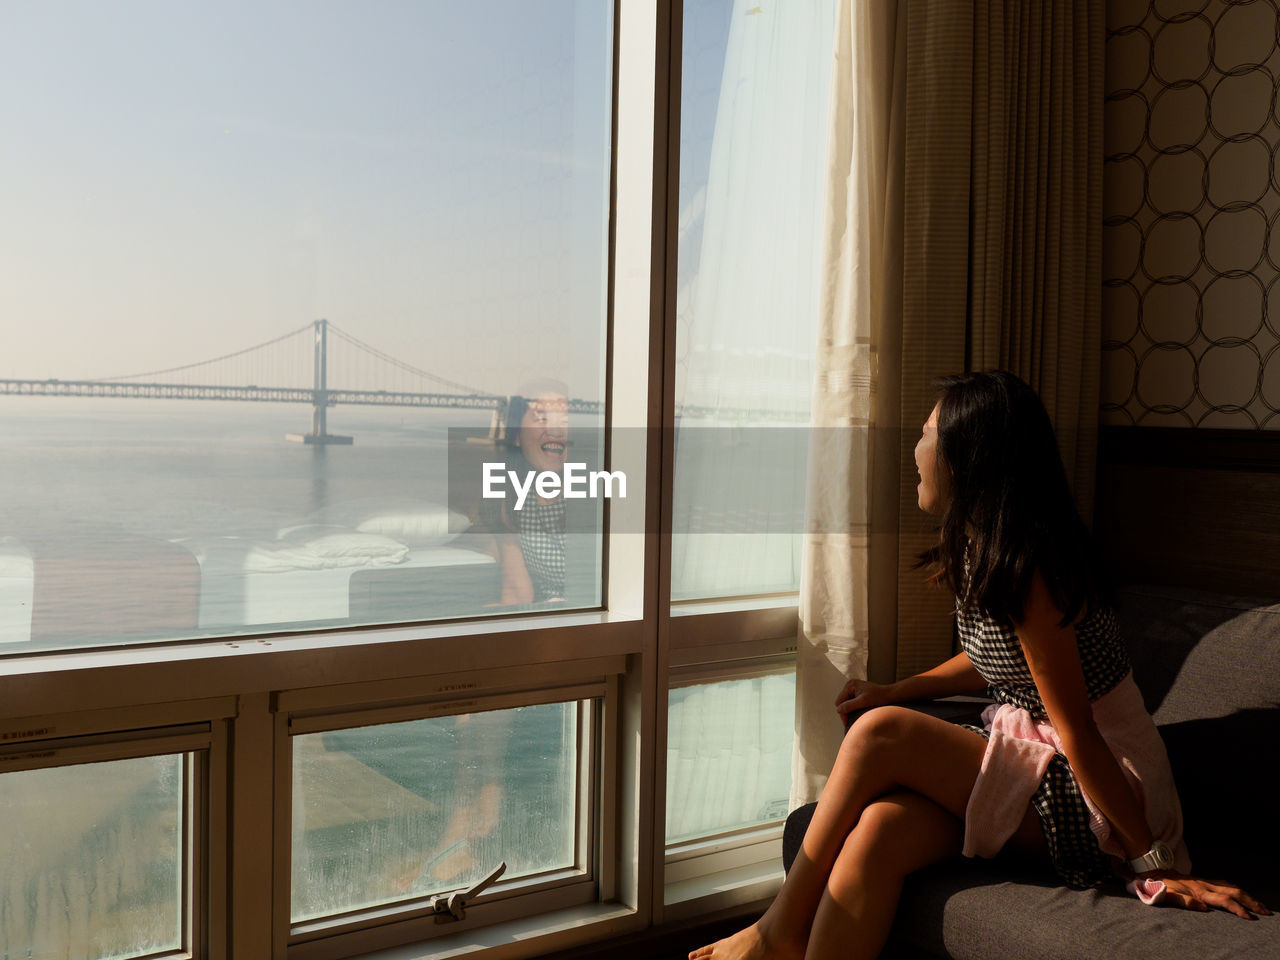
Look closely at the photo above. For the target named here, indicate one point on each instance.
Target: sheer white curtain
(747, 310)
(855, 382)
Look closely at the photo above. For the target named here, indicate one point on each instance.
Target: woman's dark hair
(1011, 512)
(495, 515)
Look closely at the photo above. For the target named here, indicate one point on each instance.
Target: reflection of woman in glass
(530, 540)
(530, 550)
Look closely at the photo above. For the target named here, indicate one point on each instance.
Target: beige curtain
(964, 221)
(855, 379)
(1003, 235)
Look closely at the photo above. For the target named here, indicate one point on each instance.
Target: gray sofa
(1209, 669)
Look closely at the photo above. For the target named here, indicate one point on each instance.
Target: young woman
(908, 790)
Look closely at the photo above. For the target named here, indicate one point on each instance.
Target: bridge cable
(201, 363)
(407, 367)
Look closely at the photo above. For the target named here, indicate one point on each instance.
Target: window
(753, 144)
(729, 743)
(318, 688)
(402, 810)
(394, 805)
(729, 752)
(378, 231)
(104, 841)
(113, 834)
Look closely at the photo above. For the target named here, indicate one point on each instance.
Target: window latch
(453, 906)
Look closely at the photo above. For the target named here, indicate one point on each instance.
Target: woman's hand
(862, 695)
(1192, 893)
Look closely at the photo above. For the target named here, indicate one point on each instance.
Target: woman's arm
(1054, 658)
(954, 676)
(517, 587)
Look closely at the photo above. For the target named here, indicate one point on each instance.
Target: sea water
(110, 495)
(138, 464)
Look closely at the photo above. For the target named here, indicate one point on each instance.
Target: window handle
(453, 906)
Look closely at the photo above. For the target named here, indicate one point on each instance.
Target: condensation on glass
(395, 811)
(729, 755)
(92, 860)
(381, 232)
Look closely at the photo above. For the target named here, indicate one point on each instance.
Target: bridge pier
(497, 425)
(319, 438)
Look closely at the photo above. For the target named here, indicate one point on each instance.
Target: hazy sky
(182, 179)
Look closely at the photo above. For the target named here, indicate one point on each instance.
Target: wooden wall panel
(1196, 508)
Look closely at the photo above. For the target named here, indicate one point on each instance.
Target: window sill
(731, 871)
(527, 937)
(737, 887)
(695, 608)
(97, 679)
(265, 642)
(709, 631)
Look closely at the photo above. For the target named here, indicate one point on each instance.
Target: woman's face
(544, 432)
(933, 490)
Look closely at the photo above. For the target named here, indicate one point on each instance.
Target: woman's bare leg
(888, 749)
(897, 834)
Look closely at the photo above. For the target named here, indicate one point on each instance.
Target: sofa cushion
(976, 911)
(1209, 669)
(981, 909)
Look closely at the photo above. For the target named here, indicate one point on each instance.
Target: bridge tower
(498, 422)
(320, 394)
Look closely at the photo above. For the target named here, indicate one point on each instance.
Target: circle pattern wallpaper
(1191, 239)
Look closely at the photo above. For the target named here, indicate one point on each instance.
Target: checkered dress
(541, 527)
(997, 655)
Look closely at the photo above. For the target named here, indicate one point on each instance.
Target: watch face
(1163, 855)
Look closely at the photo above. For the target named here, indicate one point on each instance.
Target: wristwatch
(1159, 857)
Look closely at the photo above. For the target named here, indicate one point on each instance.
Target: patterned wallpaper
(1191, 239)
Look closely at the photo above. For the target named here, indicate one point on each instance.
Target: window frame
(247, 688)
(716, 870)
(199, 738)
(359, 931)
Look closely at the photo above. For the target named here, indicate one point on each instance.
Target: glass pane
(752, 151)
(402, 810)
(187, 191)
(93, 860)
(729, 755)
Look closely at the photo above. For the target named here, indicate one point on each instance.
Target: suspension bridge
(307, 360)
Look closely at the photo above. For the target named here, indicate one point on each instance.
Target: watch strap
(1159, 857)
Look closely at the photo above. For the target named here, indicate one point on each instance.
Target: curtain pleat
(935, 301)
(850, 461)
(1002, 231)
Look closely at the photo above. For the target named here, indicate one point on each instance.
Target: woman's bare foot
(748, 944)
